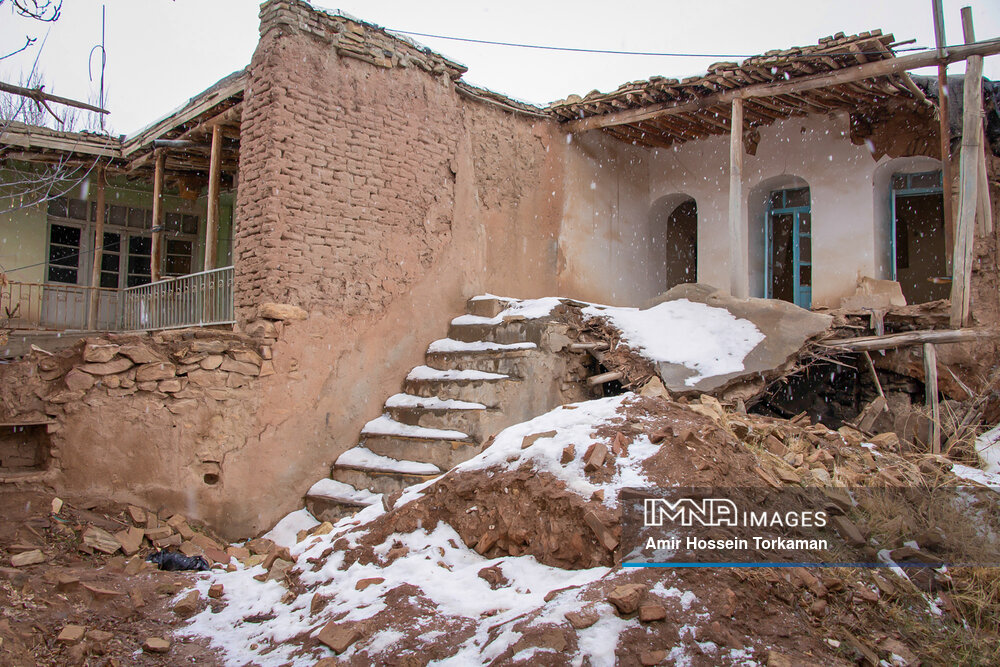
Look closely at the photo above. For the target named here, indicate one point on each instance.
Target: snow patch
(285, 531)
(990, 479)
(529, 309)
(386, 425)
(430, 403)
(362, 457)
(428, 373)
(331, 488)
(710, 341)
(988, 449)
(452, 345)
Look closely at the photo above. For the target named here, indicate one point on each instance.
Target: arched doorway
(674, 220)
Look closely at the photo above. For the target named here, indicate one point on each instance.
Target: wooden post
(156, 249)
(968, 181)
(212, 220)
(98, 256)
(945, 134)
(931, 395)
(739, 278)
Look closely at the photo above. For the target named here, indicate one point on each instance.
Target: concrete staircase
(491, 372)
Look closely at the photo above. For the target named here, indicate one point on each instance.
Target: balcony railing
(198, 299)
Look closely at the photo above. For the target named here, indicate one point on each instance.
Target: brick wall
(347, 165)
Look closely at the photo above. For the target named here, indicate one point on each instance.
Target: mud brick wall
(347, 182)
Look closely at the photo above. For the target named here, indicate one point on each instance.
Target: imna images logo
(715, 512)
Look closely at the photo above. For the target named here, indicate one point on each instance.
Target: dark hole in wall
(24, 448)
(211, 478)
(832, 394)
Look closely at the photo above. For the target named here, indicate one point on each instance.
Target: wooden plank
(800, 84)
(739, 279)
(212, 220)
(931, 395)
(968, 185)
(157, 242)
(944, 133)
(40, 96)
(984, 209)
(892, 341)
(95, 274)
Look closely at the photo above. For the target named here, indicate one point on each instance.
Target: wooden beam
(40, 96)
(212, 220)
(968, 184)
(797, 85)
(155, 249)
(893, 341)
(98, 256)
(739, 279)
(931, 395)
(944, 133)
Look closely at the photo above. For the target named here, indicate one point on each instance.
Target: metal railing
(57, 307)
(198, 299)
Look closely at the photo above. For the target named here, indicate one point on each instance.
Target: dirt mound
(511, 558)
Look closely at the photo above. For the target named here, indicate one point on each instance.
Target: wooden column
(156, 250)
(95, 274)
(931, 395)
(739, 279)
(968, 181)
(212, 221)
(945, 134)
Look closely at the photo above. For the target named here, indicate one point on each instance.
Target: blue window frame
(788, 247)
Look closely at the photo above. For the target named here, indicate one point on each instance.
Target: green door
(788, 247)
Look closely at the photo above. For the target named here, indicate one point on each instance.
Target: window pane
(805, 250)
(64, 255)
(110, 262)
(112, 242)
(805, 275)
(805, 223)
(62, 275)
(798, 197)
(117, 215)
(132, 281)
(78, 209)
(777, 201)
(173, 222)
(189, 225)
(109, 280)
(137, 218)
(58, 207)
(929, 179)
(65, 235)
(139, 265)
(139, 245)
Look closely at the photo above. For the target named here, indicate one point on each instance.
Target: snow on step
(334, 490)
(529, 309)
(430, 403)
(452, 345)
(386, 425)
(428, 373)
(284, 532)
(362, 457)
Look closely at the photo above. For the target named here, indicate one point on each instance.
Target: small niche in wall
(24, 447)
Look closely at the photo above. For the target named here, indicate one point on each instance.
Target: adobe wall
(378, 197)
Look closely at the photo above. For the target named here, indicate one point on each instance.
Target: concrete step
(486, 305)
(376, 480)
(514, 362)
(445, 454)
(489, 392)
(330, 500)
(474, 423)
(470, 328)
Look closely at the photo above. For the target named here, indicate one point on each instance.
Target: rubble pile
(513, 556)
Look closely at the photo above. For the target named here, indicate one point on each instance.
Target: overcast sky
(161, 52)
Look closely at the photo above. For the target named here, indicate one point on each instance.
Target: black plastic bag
(172, 561)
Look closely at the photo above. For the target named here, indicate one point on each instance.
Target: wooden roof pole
(98, 256)
(945, 133)
(156, 249)
(739, 278)
(797, 85)
(968, 182)
(212, 220)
